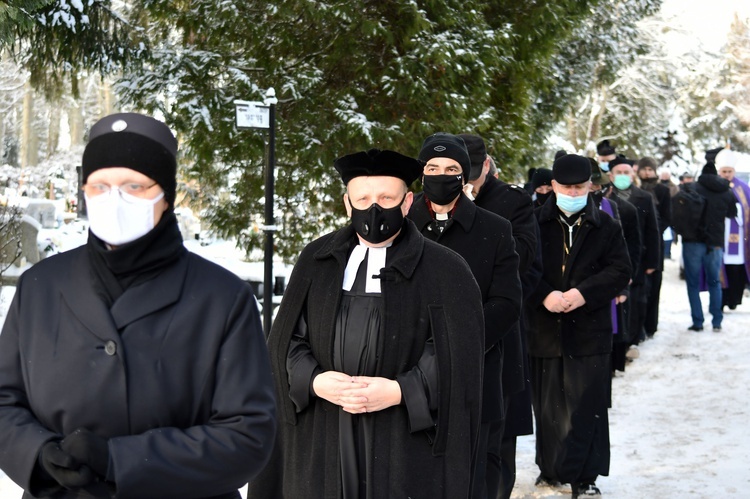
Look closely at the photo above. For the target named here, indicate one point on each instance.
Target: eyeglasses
(131, 188)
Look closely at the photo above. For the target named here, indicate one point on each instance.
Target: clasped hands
(77, 460)
(357, 394)
(559, 302)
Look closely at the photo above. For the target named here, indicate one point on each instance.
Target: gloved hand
(63, 468)
(89, 449)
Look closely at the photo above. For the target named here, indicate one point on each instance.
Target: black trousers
(731, 296)
(570, 397)
(651, 322)
(638, 306)
(487, 471)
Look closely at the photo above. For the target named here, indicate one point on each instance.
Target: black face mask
(598, 196)
(649, 181)
(376, 224)
(542, 198)
(442, 189)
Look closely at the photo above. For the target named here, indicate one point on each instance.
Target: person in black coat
(377, 354)
(663, 201)
(627, 215)
(443, 213)
(570, 333)
(514, 204)
(707, 250)
(146, 375)
(621, 174)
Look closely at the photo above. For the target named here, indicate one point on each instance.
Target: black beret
(477, 153)
(711, 154)
(133, 141)
(446, 145)
(542, 176)
(620, 160)
(560, 153)
(604, 148)
(378, 163)
(571, 169)
(709, 168)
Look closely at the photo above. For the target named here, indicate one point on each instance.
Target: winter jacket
(597, 265)
(720, 204)
(176, 375)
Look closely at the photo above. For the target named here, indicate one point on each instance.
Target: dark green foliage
(349, 75)
(55, 41)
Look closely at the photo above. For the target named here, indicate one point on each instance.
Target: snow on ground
(679, 416)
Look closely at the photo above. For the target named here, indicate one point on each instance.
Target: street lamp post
(263, 115)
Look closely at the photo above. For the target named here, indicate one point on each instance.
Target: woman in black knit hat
(130, 366)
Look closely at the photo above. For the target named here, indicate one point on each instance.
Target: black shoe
(543, 481)
(585, 490)
(695, 328)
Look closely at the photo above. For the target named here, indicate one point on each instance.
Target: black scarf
(115, 270)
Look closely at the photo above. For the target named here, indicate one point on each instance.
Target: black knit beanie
(133, 141)
(446, 145)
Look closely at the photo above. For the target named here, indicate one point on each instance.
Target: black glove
(63, 468)
(89, 449)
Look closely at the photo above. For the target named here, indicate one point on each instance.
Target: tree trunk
(28, 154)
(75, 123)
(53, 134)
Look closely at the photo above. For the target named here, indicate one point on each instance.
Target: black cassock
(358, 327)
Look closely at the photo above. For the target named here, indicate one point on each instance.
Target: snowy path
(680, 418)
(679, 421)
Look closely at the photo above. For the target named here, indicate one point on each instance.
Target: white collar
(375, 263)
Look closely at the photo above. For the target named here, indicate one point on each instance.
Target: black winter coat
(720, 204)
(428, 292)
(627, 215)
(651, 239)
(514, 204)
(598, 266)
(176, 375)
(485, 241)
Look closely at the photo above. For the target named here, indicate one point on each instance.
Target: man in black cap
(443, 213)
(570, 333)
(605, 152)
(703, 251)
(147, 375)
(663, 202)
(541, 183)
(377, 353)
(514, 204)
(622, 176)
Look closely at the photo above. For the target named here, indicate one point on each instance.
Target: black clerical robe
(422, 447)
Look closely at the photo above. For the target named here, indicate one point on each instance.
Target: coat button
(110, 348)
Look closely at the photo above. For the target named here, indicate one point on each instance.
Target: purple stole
(739, 236)
(606, 207)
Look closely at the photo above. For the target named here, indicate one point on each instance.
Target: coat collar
(135, 303)
(549, 211)
(463, 214)
(411, 247)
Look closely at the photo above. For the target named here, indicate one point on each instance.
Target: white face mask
(118, 218)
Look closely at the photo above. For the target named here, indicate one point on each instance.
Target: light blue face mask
(604, 165)
(571, 204)
(622, 182)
